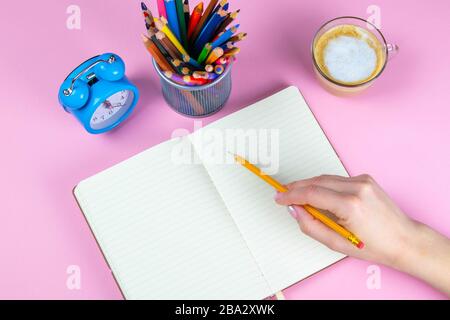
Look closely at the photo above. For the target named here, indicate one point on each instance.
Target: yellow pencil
(164, 28)
(311, 210)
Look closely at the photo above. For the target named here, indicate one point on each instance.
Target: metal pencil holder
(196, 101)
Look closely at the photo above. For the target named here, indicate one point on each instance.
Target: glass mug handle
(392, 50)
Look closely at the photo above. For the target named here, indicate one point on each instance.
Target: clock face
(112, 109)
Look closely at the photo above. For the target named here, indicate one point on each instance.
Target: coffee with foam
(349, 55)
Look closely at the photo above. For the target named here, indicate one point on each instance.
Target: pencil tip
(143, 6)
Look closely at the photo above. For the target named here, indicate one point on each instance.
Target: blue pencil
(227, 46)
(172, 18)
(208, 31)
(223, 5)
(224, 37)
(191, 61)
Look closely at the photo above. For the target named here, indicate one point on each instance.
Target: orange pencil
(159, 58)
(195, 18)
(312, 211)
(214, 55)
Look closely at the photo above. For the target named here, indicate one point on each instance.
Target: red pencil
(195, 18)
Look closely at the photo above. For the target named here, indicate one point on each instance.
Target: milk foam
(349, 59)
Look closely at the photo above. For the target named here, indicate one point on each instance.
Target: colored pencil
(200, 75)
(170, 47)
(185, 80)
(172, 18)
(187, 58)
(181, 66)
(311, 210)
(224, 36)
(232, 52)
(160, 46)
(219, 69)
(194, 20)
(174, 76)
(227, 46)
(196, 81)
(148, 16)
(214, 55)
(204, 54)
(230, 18)
(178, 35)
(163, 20)
(157, 55)
(192, 101)
(208, 31)
(187, 14)
(181, 22)
(239, 37)
(223, 4)
(222, 61)
(203, 20)
(164, 28)
(205, 75)
(162, 9)
(209, 68)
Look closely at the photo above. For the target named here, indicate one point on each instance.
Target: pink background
(397, 131)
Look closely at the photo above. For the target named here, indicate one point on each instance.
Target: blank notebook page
(282, 252)
(166, 232)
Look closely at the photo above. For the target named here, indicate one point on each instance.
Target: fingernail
(293, 212)
(277, 196)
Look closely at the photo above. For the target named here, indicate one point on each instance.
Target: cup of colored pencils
(193, 53)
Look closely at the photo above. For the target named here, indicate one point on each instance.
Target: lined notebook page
(283, 253)
(166, 233)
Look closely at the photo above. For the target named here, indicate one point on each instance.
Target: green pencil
(181, 21)
(205, 52)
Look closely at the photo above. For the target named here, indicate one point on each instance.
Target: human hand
(362, 207)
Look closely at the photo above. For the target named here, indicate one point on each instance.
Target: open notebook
(210, 231)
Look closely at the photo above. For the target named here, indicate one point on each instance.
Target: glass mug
(339, 87)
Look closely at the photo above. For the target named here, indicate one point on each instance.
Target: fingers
(337, 183)
(322, 198)
(318, 231)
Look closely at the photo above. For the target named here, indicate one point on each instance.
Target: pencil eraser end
(360, 245)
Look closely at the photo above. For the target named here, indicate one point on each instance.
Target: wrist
(420, 257)
(426, 256)
(412, 247)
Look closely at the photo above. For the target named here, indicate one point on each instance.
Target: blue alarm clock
(99, 94)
